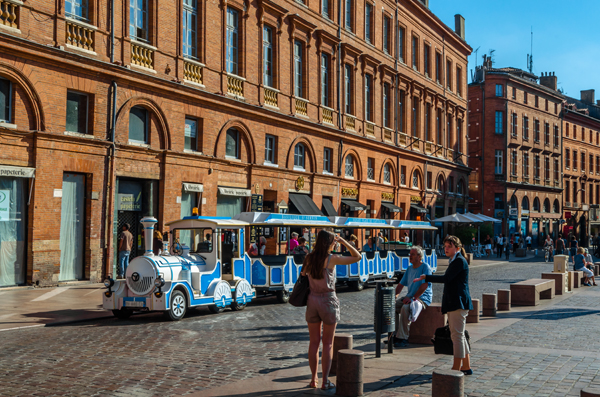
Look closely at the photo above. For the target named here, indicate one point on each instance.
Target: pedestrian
(500, 246)
(560, 245)
(380, 241)
(406, 239)
(293, 242)
(573, 245)
(507, 248)
(528, 240)
(456, 300)
(516, 243)
(548, 245)
(157, 243)
(353, 240)
(125, 244)
(488, 245)
(579, 266)
(323, 306)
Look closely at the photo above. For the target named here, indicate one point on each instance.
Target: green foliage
(465, 233)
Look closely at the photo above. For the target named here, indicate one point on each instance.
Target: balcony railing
(556, 183)
(567, 204)
(350, 122)
(9, 14)
(271, 97)
(193, 72)
(370, 127)
(547, 182)
(142, 56)
(235, 86)
(301, 107)
(428, 147)
(80, 36)
(327, 115)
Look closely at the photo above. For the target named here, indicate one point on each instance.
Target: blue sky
(566, 37)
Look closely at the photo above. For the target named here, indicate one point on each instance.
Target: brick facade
(45, 54)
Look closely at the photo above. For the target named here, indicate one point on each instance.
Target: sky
(566, 36)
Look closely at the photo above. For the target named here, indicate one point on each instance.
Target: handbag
(442, 342)
(300, 292)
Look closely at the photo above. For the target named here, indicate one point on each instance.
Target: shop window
(138, 125)
(13, 230)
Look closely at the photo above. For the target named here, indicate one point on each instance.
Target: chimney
(549, 80)
(588, 96)
(148, 223)
(459, 25)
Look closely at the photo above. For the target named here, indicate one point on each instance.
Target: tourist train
(204, 262)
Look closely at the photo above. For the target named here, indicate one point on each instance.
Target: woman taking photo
(456, 300)
(323, 306)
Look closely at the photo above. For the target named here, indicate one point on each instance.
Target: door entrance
(72, 222)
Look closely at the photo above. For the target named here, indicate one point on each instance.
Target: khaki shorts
(323, 308)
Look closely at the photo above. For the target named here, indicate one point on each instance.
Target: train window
(199, 240)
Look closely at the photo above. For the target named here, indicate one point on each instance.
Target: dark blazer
(456, 294)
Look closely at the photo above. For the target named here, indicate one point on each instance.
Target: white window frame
(82, 5)
(325, 79)
(498, 166)
(270, 149)
(348, 88)
(299, 157)
(349, 166)
(133, 29)
(237, 144)
(190, 15)
(327, 157)
(298, 72)
(232, 41)
(268, 56)
(9, 99)
(368, 22)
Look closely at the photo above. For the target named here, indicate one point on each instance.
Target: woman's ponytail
(463, 252)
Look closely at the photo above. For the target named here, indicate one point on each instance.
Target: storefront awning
(17, 172)
(328, 208)
(230, 191)
(304, 204)
(391, 207)
(193, 188)
(354, 205)
(418, 208)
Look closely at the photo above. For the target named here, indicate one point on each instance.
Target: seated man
(579, 265)
(368, 247)
(420, 292)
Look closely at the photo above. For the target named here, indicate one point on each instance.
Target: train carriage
(208, 267)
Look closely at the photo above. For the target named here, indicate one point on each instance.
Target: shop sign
(415, 199)
(387, 196)
(567, 214)
(130, 202)
(17, 172)
(4, 205)
(524, 214)
(513, 212)
(193, 187)
(349, 192)
(228, 191)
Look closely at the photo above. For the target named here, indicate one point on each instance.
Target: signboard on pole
(4, 205)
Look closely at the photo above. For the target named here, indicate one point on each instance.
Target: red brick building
(581, 158)
(205, 104)
(515, 150)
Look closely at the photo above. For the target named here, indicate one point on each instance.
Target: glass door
(72, 221)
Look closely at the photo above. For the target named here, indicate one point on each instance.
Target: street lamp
(575, 198)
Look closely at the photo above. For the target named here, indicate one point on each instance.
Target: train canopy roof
(280, 220)
(203, 222)
(365, 223)
(411, 225)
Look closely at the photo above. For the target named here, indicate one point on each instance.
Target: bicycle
(547, 253)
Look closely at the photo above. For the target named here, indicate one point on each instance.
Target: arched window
(387, 177)
(536, 204)
(556, 207)
(138, 125)
(440, 184)
(525, 204)
(460, 189)
(415, 179)
(546, 205)
(349, 166)
(299, 156)
(514, 203)
(232, 143)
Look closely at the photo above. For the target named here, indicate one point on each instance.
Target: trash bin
(384, 314)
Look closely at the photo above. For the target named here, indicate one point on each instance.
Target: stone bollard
(340, 342)
(590, 392)
(576, 277)
(503, 299)
(469, 258)
(447, 383)
(596, 270)
(473, 316)
(350, 373)
(489, 304)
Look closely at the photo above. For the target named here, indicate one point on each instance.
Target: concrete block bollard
(560, 280)
(430, 319)
(490, 303)
(340, 342)
(577, 275)
(350, 365)
(473, 316)
(504, 300)
(590, 392)
(596, 270)
(447, 383)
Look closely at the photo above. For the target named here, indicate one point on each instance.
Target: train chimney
(148, 222)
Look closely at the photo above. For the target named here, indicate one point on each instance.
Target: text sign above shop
(228, 191)
(4, 205)
(17, 172)
(129, 202)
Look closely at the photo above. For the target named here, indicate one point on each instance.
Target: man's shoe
(401, 343)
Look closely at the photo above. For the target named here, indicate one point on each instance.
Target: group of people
(323, 306)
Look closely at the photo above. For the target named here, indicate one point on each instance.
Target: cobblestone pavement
(147, 356)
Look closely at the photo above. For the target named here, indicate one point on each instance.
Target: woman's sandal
(313, 385)
(328, 385)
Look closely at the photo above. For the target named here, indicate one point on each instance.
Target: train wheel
(178, 306)
(283, 296)
(122, 314)
(216, 309)
(357, 285)
(237, 306)
(242, 291)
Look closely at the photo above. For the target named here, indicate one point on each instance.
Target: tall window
(232, 143)
(459, 136)
(427, 121)
(536, 167)
(591, 163)
(567, 191)
(191, 134)
(386, 105)
(567, 158)
(546, 134)
(524, 97)
(77, 112)
(138, 20)
(458, 81)
(401, 111)
(386, 34)
(498, 162)
(299, 156)
(448, 130)
(387, 177)
(547, 168)
(449, 74)
(325, 8)
(268, 56)
(575, 159)
(514, 93)
(138, 125)
(498, 201)
(526, 128)
(232, 41)
(556, 170)
(403, 175)
(438, 67)
(77, 9)
(349, 167)
(555, 136)
(499, 127)
(513, 123)
(270, 149)
(582, 162)
(415, 116)
(575, 198)
(401, 38)
(190, 28)
(348, 88)
(369, 97)
(499, 90)
(298, 76)
(513, 162)
(348, 17)
(370, 168)
(526, 164)
(5, 100)
(415, 179)
(327, 163)
(438, 127)
(368, 22)
(597, 164)
(324, 79)
(415, 53)
(536, 131)
(427, 60)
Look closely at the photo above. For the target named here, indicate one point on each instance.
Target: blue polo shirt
(412, 273)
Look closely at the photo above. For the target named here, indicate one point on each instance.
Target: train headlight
(109, 282)
(159, 282)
